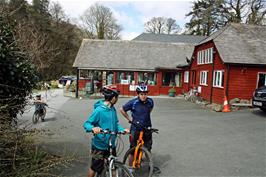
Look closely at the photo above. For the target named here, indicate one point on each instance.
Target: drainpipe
(227, 81)
(213, 56)
(77, 85)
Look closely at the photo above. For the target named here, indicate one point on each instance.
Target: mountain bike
(141, 164)
(40, 112)
(112, 167)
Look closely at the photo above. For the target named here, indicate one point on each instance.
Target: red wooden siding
(243, 81)
(218, 93)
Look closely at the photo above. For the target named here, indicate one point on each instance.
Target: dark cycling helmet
(38, 96)
(142, 88)
(109, 92)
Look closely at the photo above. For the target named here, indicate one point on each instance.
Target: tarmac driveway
(193, 141)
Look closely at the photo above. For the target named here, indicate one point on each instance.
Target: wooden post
(77, 84)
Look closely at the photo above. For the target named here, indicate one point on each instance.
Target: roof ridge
(136, 41)
(214, 35)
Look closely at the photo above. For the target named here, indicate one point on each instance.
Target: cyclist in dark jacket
(140, 108)
(39, 104)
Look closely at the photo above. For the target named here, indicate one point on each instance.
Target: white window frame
(258, 75)
(205, 56)
(211, 55)
(217, 78)
(203, 78)
(186, 76)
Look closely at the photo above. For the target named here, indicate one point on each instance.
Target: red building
(127, 63)
(232, 61)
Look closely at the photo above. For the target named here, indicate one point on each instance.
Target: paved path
(193, 141)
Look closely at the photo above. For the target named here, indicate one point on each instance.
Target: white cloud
(131, 14)
(175, 10)
(124, 19)
(129, 35)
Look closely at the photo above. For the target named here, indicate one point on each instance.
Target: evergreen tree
(17, 75)
(207, 16)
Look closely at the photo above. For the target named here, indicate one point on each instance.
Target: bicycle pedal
(156, 170)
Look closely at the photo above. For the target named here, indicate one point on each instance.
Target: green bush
(54, 84)
(17, 75)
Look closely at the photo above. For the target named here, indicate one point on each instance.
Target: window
(262, 80)
(218, 79)
(147, 78)
(171, 79)
(124, 77)
(110, 77)
(186, 76)
(203, 77)
(205, 56)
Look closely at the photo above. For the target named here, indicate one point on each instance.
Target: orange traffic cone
(226, 105)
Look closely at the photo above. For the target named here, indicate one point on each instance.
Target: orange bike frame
(137, 158)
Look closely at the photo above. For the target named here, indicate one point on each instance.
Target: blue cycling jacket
(105, 118)
(140, 111)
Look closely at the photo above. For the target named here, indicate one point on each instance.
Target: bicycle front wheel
(35, 117)
(120, 170)
(43, 114)
(146, 163)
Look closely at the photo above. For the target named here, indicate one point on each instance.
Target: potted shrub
(172, 92)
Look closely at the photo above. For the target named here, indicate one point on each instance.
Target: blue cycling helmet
(142, 88)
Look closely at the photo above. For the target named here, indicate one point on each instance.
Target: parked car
(259, 98)
(64, 79)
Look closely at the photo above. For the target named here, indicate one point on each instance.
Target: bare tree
(57, 12)
(171, 26)
(155, 25)
(237, 10)
(257, 13)
(99, 22)
(162, 25)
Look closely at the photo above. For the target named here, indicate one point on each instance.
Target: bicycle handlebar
(111, 132)
(153, 130)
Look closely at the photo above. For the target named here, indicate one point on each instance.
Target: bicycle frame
(111, 160)
(140, 143)
(137, 158)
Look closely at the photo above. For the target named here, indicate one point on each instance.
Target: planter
(171, 94)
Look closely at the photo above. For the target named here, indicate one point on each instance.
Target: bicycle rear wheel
(120, 170)
(35, 117)
(52, 93)
(146, 164)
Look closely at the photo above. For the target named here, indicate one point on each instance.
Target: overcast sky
(131, 15)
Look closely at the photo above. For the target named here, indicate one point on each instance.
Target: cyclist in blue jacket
(140, 108)
(103, 117)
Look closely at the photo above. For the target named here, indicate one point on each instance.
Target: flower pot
(171, 94)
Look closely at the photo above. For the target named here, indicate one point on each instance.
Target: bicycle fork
(138, 153)
(112, 170)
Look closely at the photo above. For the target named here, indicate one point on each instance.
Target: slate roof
(130, 55)
(240, 43)
(169, 38)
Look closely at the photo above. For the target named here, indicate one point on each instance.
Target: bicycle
(48, 91)
(39, 113)
(140, 165)
(113, 167)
